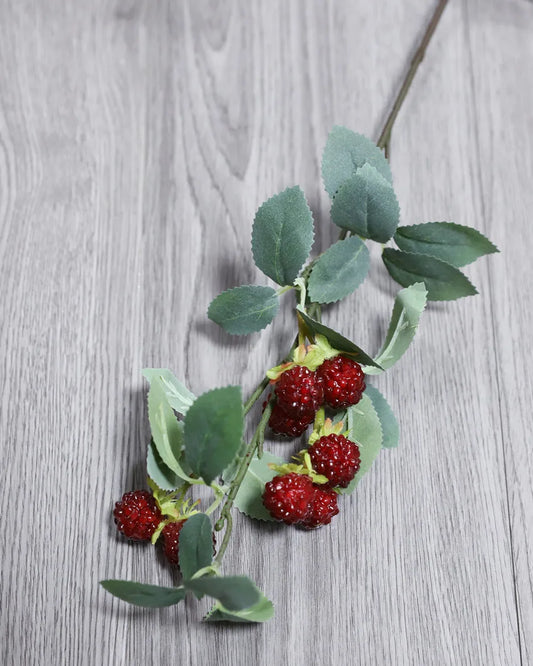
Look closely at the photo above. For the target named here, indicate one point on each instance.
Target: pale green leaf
(213, 431)
(141, 594)
(453, 243)
(282, 235)
(408, 306)
(366, 205)
(245, 309)
(345, 152)
(234, 592)
(162, 475)
(262, 611)
(339, 271)
(443, 281)
(389, 424)
(178, 395)
(167, 431)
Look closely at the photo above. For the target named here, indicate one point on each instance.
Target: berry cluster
(338, 383)
(296, 499)
(138, 516)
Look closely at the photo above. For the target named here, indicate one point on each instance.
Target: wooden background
(136, 141)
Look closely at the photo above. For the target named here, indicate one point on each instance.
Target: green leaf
(213, 431)
(364, 428)
(408, 307)
(336, 340)
(345, 152)
(262, 611)
(140, 594)
(163, 476)
(282, 235)
(244, 310)
(249, 497)
(339, 271)
(195, 545)
(234, 592)
(453, 243)
(167, 431)
(178, 396)
(389, 424)
(443, 281)
(366, 205)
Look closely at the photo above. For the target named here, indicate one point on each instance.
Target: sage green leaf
(366, 205)
(282, 235)
(336, 340)
(167, 431)
(162, 475)
(364, 428)
(141, 594)
(339, 271)
(443, 281)
(453, 243)
(195, 545)
(234, 592)
(245, 309)
(249, 496)
(261, 611)
(178, 395)
(345, 152)
(213, 431)
(389, 424)
(408, 307)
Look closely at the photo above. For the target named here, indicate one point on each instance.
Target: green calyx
(324, 427)
(302, 466)
(310, 356)
(172, 505)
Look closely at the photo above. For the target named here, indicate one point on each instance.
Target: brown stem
(384, 137)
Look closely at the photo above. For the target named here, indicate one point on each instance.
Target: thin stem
(255, 395)
(384, 137)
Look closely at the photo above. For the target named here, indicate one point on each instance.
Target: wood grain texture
(136, 141)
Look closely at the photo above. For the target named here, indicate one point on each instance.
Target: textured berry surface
(284, 424)
(337, 458)
(137, 515)
(288, 497)
(343, 381)
(299, 392)
(322, 508)
(171, 538)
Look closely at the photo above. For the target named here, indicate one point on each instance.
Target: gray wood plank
(136, 141)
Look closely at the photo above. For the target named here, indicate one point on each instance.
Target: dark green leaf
(389, 424)
(345, 152)
(336, 340)
(163, 476)
(408, 306)
(249, 497)
(339, 271)
(244, 310)
(364, 428)
(167, 431)
(282, 235)
(234, 592)
(177, 394)
(262, 611)
(195, 545)
(213, 431)
(140, 594)
(453, 243)
(443, 281)
(366, 205)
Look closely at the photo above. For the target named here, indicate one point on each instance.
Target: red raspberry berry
(171, 538)
(283, 424)
(137, 515)
(337, 458)
(299, 391)
(322, 508)
(288, 497)
(343, 381)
